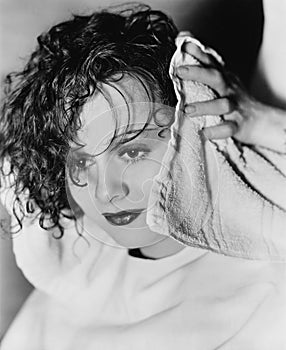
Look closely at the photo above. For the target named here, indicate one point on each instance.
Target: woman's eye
(133, 155)
(78, 170)
(79, 163)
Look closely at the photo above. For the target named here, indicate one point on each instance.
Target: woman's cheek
(141, 177)
(82, 196)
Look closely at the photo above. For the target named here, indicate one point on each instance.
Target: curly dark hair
(42, 103)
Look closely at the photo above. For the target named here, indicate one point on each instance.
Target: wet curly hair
(43, 102)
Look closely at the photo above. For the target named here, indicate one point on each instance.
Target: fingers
(222, 131)
(209, 76)
(219, 81)
(219, 106)
(196, 52)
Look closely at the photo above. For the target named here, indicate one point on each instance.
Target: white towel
(217, 195)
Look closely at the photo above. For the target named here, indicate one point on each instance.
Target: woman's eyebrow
(79, 150)
(141, 135)
(144, 132)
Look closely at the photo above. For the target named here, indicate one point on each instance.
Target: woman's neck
(162, 249)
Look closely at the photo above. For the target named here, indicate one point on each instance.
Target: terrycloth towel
(218, 195)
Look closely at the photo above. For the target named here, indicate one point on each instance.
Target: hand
(246, 119)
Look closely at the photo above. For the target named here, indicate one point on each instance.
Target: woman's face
(119, 178)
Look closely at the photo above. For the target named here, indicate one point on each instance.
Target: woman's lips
(123, 217)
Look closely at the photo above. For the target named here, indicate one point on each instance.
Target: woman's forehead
(122, 100)
(121, 106)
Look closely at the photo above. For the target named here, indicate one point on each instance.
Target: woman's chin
(135, 238)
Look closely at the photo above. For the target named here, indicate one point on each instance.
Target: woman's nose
(110, 184)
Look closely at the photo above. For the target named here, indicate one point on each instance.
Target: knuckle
(217, 75)
(219, 80)
(226, 105)
(233, 127)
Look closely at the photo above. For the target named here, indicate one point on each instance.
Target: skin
(121, 178)
(246, 119)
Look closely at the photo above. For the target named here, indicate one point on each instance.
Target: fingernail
(190, 109)
(182, 70)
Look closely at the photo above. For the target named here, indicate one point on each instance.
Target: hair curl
(42, 103)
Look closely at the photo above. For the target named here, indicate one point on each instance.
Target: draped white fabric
(96, 296)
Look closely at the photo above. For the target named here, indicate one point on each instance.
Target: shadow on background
(233, 28)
